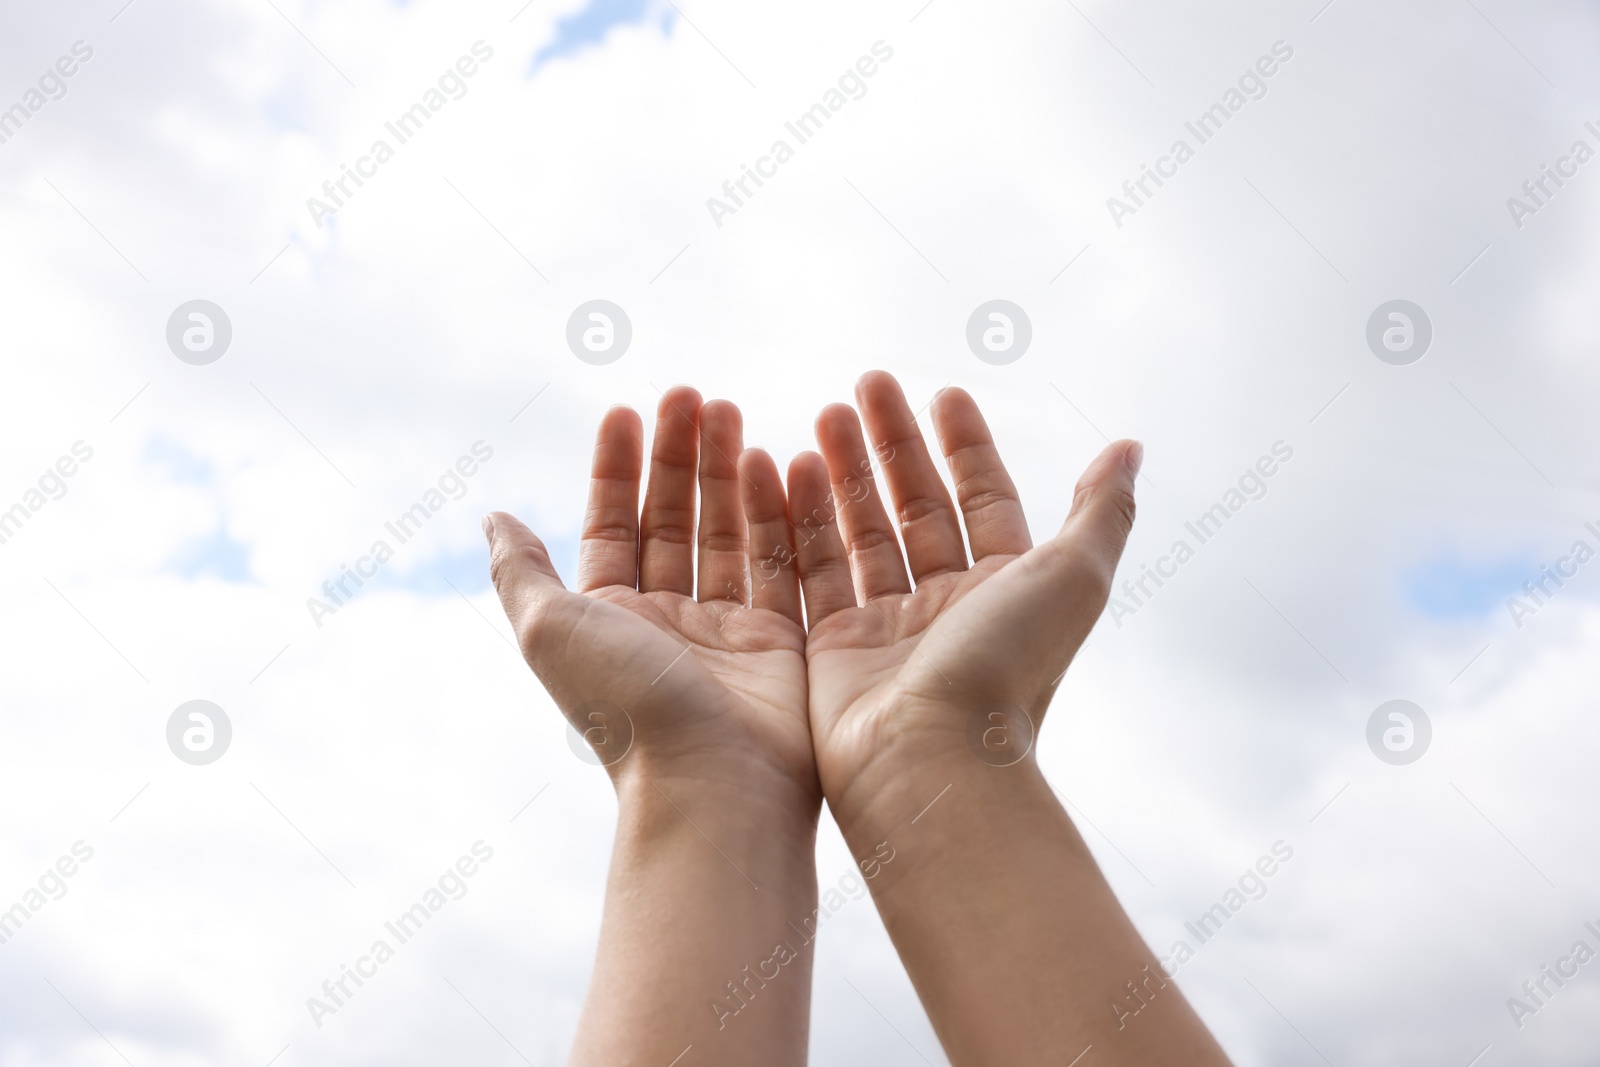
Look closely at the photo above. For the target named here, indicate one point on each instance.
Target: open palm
(652, 674)
(898, 674)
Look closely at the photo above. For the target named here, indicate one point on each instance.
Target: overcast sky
(381, 334)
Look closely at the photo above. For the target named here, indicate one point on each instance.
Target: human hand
(697, 706)
(671, 686)
(919, 693)
(899, 675)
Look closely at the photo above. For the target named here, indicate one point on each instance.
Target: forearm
(1014, 941)
(695, 943)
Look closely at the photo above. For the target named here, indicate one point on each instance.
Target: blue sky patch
(1449, 587)
(178, 463)
(592, 25)
(468, 570)
(218, 556)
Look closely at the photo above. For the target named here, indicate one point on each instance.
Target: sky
(183, 502)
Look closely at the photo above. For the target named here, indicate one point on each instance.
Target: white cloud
(1213, 323)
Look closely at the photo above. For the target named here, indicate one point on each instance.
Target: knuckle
(608, 531)
(721, 541)
(920, 508)
(1116, 501)
(975, 500)
(863, 541)
(1126, 508)
(507, 561)
(674, 526)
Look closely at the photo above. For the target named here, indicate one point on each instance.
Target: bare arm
(929, 695)
(696, 704)
(695, 945)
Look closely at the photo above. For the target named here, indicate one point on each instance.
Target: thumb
(1102, 503)
(1096, 530)
(1037, 610)
(520, 568)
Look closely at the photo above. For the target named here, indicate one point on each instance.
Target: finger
(722, 534)
(666, 529)
(521, 570)
(869, 539)
(1096, 530)
(1040, 608)
(989, 502)
(824, 568)
(928, 522)
(608, 551)
(774, 574)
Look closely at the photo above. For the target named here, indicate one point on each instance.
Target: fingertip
(806, 461)
(1113, 463)
(879, 394)
(956, 418)
(722, 412)
(1104, 497)
(620, 418)
(952, 396)
(502, 522)
(756, 460)
(1117, 462)
(808, 480)
(1132, 456)
(722, 430)
(875, 381)
(508, 534)
(834, 413)
(760, 484)
(680, 399)
(836, 424)
(618, 445)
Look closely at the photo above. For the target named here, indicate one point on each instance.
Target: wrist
(764, 826)
(905, 769)
(934, 808)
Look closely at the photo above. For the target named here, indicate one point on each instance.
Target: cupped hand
(898, 674)
(667, 681)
